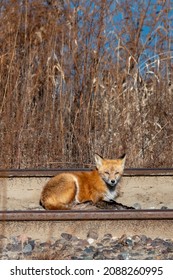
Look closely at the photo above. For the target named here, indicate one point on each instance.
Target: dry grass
(72, 83)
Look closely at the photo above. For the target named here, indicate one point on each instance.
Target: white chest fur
(110, 195)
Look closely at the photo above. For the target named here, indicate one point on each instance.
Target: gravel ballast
(69, 247)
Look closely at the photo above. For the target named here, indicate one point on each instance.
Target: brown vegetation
(78, 77)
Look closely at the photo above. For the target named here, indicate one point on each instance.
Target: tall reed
(74, 81)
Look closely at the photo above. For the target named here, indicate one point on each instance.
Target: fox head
(110, 170)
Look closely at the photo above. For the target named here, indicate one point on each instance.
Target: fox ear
(123, 158)
(98, 160)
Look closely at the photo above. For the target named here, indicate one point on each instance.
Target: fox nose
(113, 181)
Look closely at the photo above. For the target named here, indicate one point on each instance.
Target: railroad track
(38, 223)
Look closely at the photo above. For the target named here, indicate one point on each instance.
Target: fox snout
(111, 182)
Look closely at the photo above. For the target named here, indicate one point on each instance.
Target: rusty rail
(51, 172)
(86, 215)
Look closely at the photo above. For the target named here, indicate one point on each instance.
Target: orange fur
(66, 189)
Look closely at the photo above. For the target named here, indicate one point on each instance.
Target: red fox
(67, 189)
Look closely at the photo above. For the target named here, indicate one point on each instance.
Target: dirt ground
(150, 192)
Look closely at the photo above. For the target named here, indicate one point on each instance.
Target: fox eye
(116, 173)
(106, 172)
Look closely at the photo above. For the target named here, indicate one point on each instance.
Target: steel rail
(86, 215)
(52, 172)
